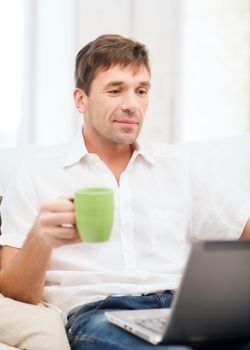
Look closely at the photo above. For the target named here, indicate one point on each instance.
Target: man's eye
(114, 92)
(142, 92)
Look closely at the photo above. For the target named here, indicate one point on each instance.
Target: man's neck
(115, 156)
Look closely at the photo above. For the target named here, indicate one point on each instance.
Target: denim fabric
(87, 328)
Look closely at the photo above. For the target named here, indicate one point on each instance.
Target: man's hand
(55, 223)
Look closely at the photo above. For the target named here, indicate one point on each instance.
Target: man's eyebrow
(114, 83)
(145, 83)
(119, 83)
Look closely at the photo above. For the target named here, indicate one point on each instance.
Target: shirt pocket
(168, 234)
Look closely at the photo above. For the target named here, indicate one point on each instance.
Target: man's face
(115, 108)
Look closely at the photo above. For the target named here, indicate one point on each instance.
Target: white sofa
(10, 163)
(10, 160)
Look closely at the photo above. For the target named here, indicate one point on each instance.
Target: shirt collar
(141, 150)
(77, 150)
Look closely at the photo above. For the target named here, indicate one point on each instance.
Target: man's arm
(22, 277)
(7, 254)
(246, 231)
(23, 272)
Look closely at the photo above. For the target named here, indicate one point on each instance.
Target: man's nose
(130, 103)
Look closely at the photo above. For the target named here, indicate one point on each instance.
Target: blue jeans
(87, 328)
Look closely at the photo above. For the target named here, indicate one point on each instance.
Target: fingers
(62, 233)
(56, 223)
(59, 205)
(57, 218)
(53, 240)
(56, 236)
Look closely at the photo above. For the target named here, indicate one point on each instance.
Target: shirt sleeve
(219, 182)
(18, 210)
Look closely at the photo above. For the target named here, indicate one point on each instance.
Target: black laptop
(212, 303)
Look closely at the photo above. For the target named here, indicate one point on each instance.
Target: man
(141, 265)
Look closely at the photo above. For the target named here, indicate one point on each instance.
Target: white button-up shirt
(154, 211)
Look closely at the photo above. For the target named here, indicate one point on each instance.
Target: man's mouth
(127, 122)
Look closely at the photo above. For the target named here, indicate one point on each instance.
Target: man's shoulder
(233, 151)
(166, 150)
(16, 161)
(47, 155)
(39, 163)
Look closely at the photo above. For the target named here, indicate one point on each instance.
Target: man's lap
(87, 328)
(100, 334)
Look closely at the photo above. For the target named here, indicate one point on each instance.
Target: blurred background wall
(200, 58)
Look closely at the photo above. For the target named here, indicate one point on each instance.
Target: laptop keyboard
(153, 324)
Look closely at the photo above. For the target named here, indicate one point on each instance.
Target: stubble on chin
(127, 138)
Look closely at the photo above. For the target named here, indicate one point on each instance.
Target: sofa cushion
(27, 326)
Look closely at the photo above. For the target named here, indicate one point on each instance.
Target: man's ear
(80, 100)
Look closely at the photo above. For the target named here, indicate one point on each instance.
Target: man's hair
(105, 51)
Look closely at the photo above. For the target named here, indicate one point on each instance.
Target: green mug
(94, 208)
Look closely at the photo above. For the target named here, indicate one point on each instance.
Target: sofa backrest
(10, 162)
